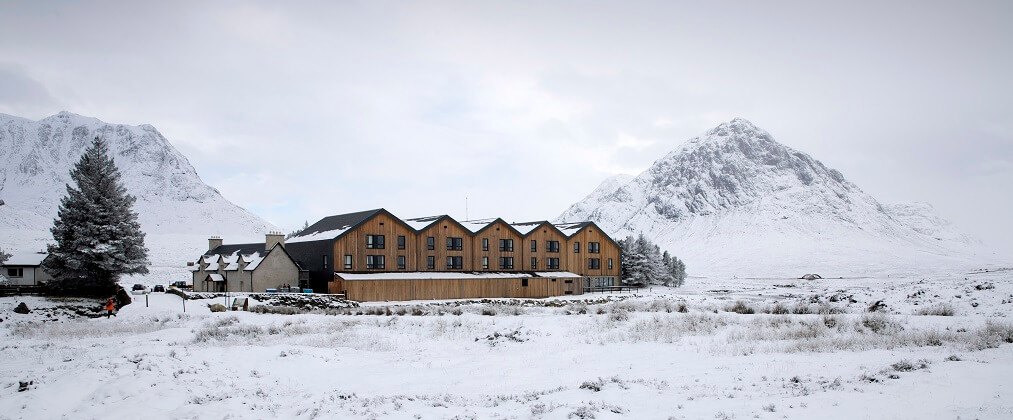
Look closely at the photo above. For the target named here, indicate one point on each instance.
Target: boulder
(22, 308)
(811, 277)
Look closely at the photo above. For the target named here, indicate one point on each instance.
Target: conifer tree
(3, 256)
(96, 233)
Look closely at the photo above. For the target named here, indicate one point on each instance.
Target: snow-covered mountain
(734, 201)
(35, 162)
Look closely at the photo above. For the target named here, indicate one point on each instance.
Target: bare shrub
(879, 323)
(740, 307)
(940, 309)
(778, 309)
(488, 311)
(619, 315)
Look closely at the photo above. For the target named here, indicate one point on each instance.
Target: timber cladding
(426, 289)
(543, 236)
(443, 229)
(607, 250)
(494, 233)
(354, 243)
(475, 249)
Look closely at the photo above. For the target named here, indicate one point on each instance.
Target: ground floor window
(606, 281)
(485, 263)
(374, 262)
(455, 263)
(552, 263)
(400, 262)
(506, 263)
(16, 272)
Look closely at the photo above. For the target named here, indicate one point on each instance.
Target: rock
(217, 307)
(22, 308)
(811, 277)
(24, 386)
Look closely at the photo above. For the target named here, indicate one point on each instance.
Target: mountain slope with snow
(735, 201)
(172, 201)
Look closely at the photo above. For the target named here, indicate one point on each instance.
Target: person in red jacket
(110, 307)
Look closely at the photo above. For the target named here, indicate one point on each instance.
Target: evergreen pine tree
(305, 226)
(3, 256)
(97, 235)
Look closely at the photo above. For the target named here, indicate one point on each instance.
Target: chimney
(214, 242)
(273, 238)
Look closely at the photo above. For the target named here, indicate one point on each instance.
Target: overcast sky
(297, 110)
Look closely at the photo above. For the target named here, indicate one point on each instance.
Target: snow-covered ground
(617, 356)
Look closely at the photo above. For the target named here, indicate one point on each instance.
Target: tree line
(644, 263)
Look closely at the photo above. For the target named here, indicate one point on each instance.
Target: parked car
(180, 285)
(139, 289)
(158, 288)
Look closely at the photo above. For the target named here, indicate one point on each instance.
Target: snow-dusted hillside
(176, 209)
(734, 201)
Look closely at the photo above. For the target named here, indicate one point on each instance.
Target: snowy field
(810, 349)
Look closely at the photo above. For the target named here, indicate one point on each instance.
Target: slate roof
(28, 259)
(570, 229)
(332, 227)
(421, 223)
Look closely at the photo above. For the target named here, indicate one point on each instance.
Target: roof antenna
(466, 208)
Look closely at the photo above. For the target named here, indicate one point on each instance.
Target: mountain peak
(734, 194)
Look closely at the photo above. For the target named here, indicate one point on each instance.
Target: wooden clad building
(373, 255)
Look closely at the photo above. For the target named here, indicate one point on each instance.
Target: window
(593, 263)
(552, 246)
(534, 245)
(506, 245)
(325, 262)
(348, 262)
(16, 272)
(485, 244)
(485, 263)
(400, 262)
(374, 241)
(374, 262)
(552, 263)
(455, 263)
(400, 242)
(534, 263)
(431, 243)
(610, 263)
(593, 247)
(455, 244)
(506, 263)
(524, 282)
(576, 247)
(431, 262)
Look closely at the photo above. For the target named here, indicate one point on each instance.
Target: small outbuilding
(25, 269)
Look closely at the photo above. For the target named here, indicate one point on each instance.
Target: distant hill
(735, 201)
(35, 162)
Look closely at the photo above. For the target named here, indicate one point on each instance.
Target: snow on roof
(558, 274)
(477, 225)
(253, 261)
(331, 227)
(216, 277)
(33, 259)
(420, 223)
(431, 276)
(318, 236)
(570, 228)
(526, 227)
(425, 275)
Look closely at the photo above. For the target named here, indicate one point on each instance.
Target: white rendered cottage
(25, 269)
(245, 267)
